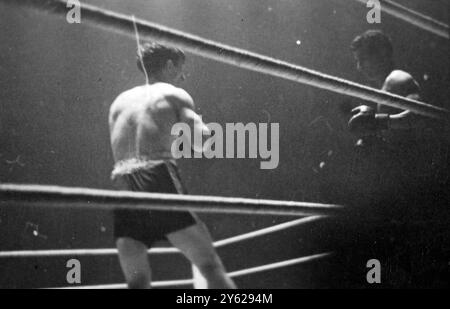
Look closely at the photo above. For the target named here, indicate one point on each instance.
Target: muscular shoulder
(178, 96)
(399, 77)
(125, 97)
(402, 83)
(121, 102)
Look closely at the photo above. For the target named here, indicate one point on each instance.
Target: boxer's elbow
(406, 121)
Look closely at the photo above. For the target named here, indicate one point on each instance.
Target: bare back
(140, 122)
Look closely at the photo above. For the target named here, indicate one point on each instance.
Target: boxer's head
(373, 53)
(162, 62)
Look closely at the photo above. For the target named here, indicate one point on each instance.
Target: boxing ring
(84, 198)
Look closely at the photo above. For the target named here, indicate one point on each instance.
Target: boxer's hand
(366, 122)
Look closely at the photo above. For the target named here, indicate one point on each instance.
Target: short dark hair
(373, 43)
(155, 57)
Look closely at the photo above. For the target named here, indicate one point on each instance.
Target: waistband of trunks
(129, 166)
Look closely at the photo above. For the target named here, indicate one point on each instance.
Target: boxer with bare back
(140, 123)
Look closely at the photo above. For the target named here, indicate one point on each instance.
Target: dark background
(58, 80)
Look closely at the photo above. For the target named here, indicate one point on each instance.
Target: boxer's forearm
(200, 130)
(405, 121)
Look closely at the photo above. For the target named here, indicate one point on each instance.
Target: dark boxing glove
(367, 122)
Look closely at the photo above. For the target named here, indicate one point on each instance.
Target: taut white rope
(277, 265)
(235, 274)
(83, 198)
(156, 284)
(124, 24)
(414, 18)
(109, 252)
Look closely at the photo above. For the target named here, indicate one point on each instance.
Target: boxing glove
(367, 122)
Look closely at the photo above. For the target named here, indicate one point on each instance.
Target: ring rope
(108, 252)
(277, 265)
(266, 231)
(83, 198)
(156, 284)
(234, 274)
(414, 18)
(124, 24)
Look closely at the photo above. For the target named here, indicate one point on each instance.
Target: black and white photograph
(247, 145)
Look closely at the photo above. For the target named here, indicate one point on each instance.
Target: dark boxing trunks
(149, 176)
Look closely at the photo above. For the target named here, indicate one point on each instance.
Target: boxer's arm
(404, 84)
(184, 104)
